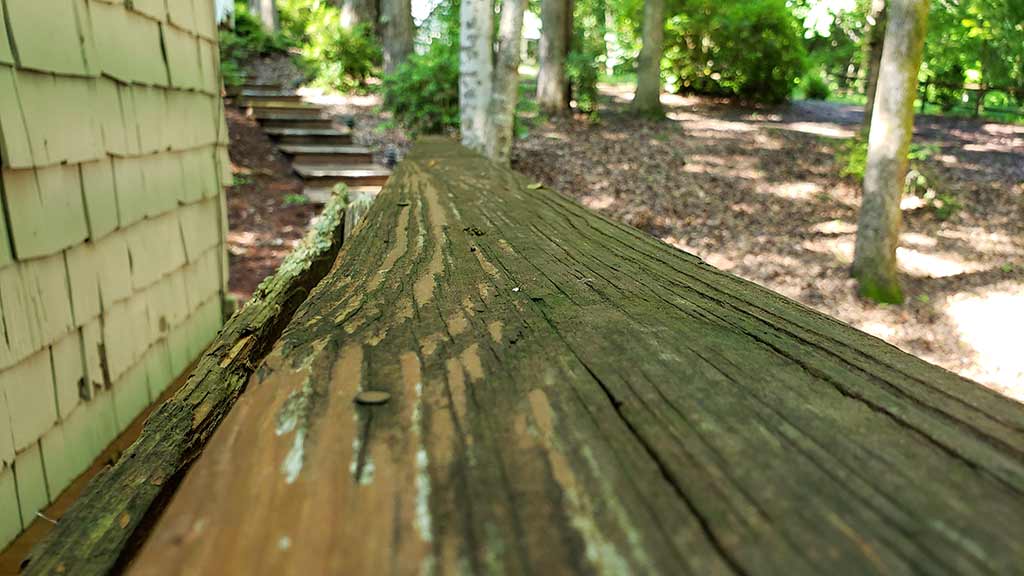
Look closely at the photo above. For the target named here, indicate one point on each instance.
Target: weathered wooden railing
(492, 379)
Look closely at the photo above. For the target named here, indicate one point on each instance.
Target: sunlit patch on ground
(990, 323)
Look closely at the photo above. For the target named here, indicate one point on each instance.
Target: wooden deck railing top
(564, 394)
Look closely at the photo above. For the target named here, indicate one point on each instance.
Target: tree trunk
(266, 11)
(506, 82)
(648, 72)
(873, 56)
(551, 85)
(892, 127)
(397, 31)
(356, 12)
(475, 71)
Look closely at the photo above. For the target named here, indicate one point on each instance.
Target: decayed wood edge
(111, 518)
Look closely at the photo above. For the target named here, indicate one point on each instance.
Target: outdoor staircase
(321, 151)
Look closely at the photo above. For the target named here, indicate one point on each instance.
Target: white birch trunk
(506, 82)
(873, 57)
(475, 71)
(892, 126)
(266, 11)
(647, 100)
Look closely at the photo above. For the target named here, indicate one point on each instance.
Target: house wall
(113, 151)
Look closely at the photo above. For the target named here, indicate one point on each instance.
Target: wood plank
(106, 524)
(571, 396)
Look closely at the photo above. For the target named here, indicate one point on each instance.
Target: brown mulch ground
(755, 192)
(263, 225)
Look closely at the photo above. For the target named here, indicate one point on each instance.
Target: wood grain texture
(569, 395)
(112, 516)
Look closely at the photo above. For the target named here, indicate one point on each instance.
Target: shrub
(815, 87)
(248, 39)
(950, 94)
(582, 73)
(339, 57)
(750, 49)
(423, 93)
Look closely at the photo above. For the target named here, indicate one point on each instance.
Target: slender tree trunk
(873, 56)
(266, 11)
(570, 19)
(396, 30)
(356, 12)
(648, 71)
(892, 126)
(506, 81)
(475, 71)
(551, 86)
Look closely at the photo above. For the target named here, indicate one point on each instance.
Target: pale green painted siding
(113, 152)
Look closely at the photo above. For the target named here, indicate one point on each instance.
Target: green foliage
(587, 53)
(339, 57)
(423, 93)
(815, 87)
(247, 40)
(750, 49)
(852, 158)
(949, 93)
(581, 70)
(295, 200)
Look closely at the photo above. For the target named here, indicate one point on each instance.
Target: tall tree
(489, 82)
(892, 126)
(556, 29)
(476, 71)
(356, 12)
(397, 31)
(266, 11)
(877, 17)
(648, 70)
(506, 81)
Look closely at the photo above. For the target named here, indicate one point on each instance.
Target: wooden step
(284, 105)
(246, 97)
(305, 112)
(320, 194)
(321, 154)
(254, 87)
(327, 175)
(337, 136)
(301, 123)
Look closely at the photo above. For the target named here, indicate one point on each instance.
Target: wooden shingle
(15, 150)
(100, 197)
(182, 51)
(46, 36)
(28, 388)
(45, 209)
(6, 438)
(6, 56)
(10, 514)
(68, 372)
(31, 481)
(130, 395)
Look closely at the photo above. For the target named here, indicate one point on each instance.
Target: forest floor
(756, 192)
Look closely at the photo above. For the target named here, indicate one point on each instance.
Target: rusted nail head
(372, 397)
